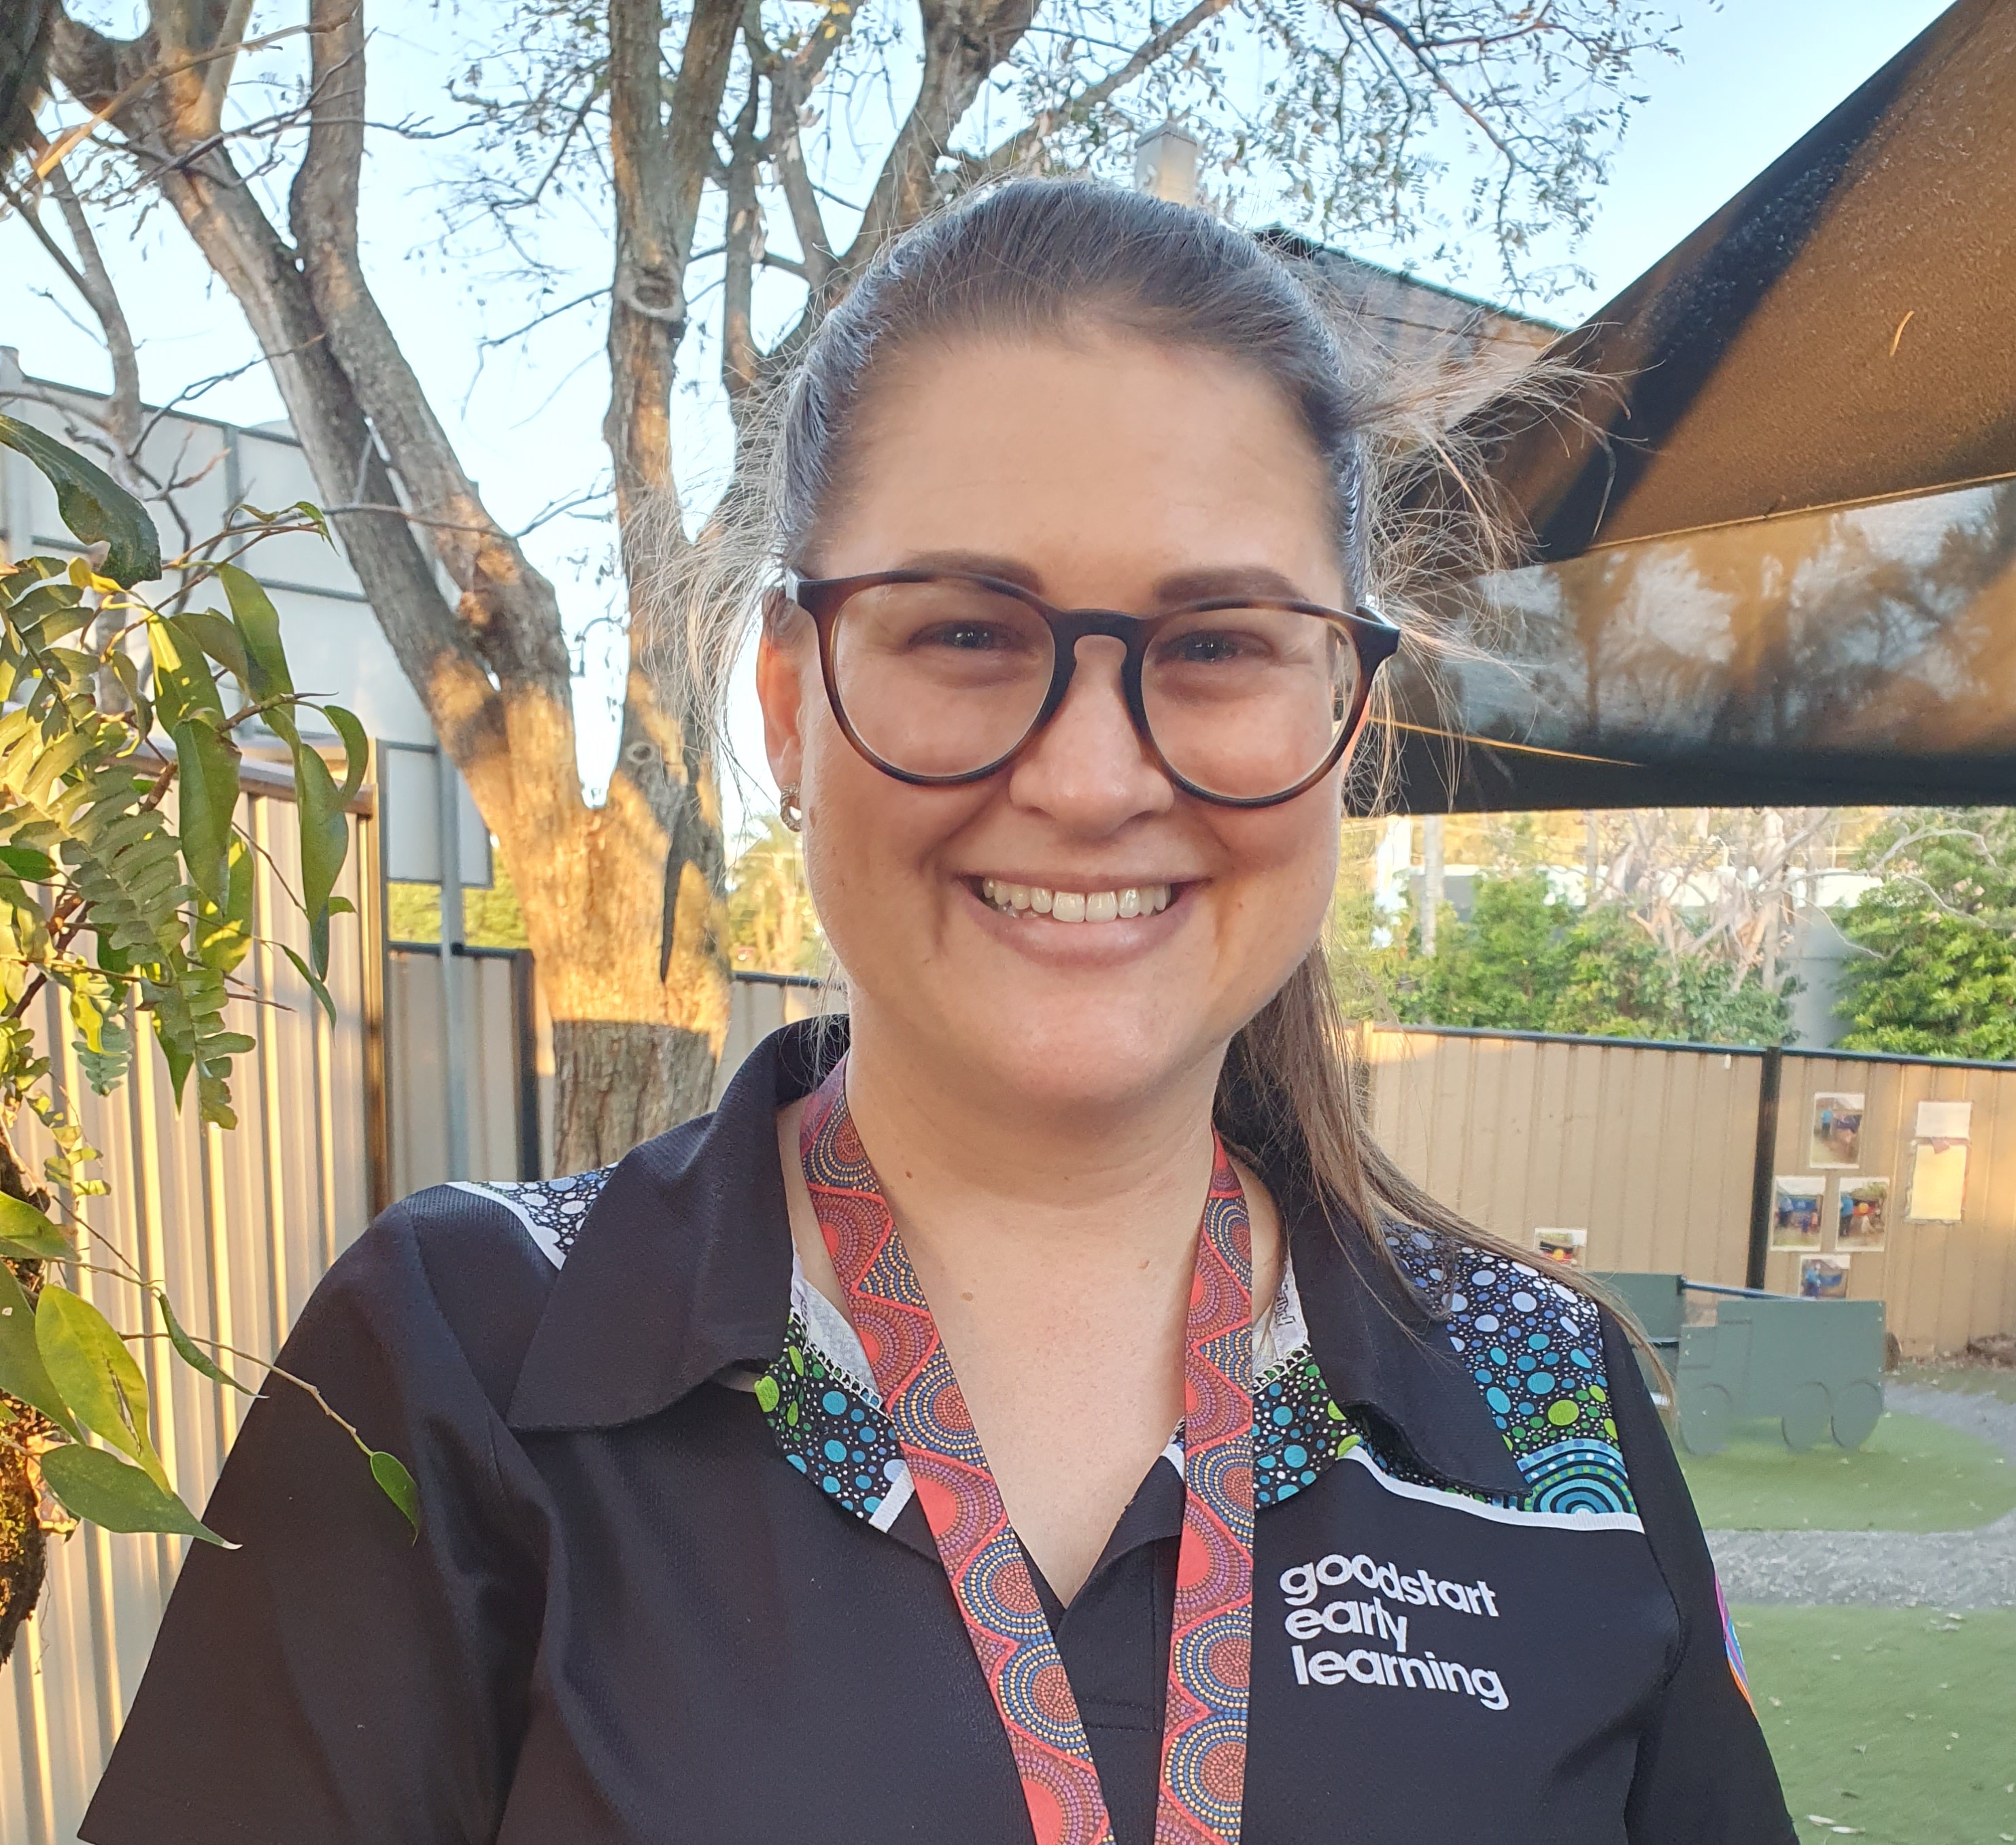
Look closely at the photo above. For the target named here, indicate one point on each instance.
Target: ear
(781, 683)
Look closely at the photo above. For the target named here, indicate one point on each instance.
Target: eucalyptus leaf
(391, 1473)
(96, 1374)
(324, 842)
(95, 508)
(258, 624)
(95, 1485)
(184, 685)
(27, 1235)
(23, 1374)
(318, 986)
(356, 750)
(206, 765)
(193, 1354)
(216, 636)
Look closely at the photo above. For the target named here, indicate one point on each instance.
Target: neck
(1060, 1188)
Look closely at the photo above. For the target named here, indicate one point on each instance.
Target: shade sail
(1778, 534)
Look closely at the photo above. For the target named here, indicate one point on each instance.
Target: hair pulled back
(1055, 259)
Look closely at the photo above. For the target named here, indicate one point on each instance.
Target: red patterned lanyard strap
(1204, 1746)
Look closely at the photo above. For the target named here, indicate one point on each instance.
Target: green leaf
(258, 623)
(23, 1374)
(25, 862)
(391, 1473)
(96, 508)
(356, 750)
(208, 766)
(222, 937)
(184, 685)
(316, 985)
(27, 1235)
(96, 1374)
(325, 841)
(127, 673)
(214, 634)
(193, 1354)
(95, 1485)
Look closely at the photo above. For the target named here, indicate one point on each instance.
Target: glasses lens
(940, 678)
(1248, 702)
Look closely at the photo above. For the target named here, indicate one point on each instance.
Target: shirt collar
(1383, 1351)
(682, 1269)
(683, 1265)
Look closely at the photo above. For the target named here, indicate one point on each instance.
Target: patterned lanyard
(1203, 1747)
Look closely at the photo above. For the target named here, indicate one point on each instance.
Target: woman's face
(1099, 472)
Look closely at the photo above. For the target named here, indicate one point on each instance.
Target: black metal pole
(1761, 1173)
(523, 1003)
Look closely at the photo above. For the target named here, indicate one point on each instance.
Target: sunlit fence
(1669, 1157)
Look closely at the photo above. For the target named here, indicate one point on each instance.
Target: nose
(1089, 769)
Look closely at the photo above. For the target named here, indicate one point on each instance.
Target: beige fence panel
(1650, 1149)
(416, 1070)
(1941, 1284)
(238, 1227)
(763, 1003)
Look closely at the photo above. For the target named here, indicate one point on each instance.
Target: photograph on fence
(1837, 1136)
(1824, 1278)
(1865, 1214)
(1795, 1212)
(1570, 1247)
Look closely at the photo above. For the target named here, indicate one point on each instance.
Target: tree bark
(620, 902)
(24, 1544)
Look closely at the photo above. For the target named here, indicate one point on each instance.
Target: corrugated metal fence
(1652, 1149)
(238, 1228)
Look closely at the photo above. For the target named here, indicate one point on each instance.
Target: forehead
(1100, 461)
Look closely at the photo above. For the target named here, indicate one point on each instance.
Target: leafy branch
(127, 892)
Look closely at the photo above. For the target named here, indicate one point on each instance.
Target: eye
(969, 637)
(1209, 647)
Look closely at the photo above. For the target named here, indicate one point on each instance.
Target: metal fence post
(1762, 1172)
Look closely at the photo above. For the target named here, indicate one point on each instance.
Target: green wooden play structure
(1815, 1366)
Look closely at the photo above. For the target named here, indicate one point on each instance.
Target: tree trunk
(620, 903)
(24, 1544)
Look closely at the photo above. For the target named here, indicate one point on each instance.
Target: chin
(1085, 1058)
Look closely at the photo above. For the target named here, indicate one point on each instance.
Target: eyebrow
(1202, 584)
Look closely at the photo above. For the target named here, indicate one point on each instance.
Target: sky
(1754, 75)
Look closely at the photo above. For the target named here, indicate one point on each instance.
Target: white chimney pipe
(1165, 163)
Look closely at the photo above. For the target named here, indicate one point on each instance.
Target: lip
(1080, 944)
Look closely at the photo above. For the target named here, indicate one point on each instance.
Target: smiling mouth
(1077, 906)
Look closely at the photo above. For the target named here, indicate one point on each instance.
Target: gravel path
(1886, 1568)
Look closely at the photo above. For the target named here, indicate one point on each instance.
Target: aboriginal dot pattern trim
(825, 1425)
(1535, 1351)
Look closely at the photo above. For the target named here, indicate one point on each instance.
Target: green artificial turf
(1893, 1723)
(1911, 1475)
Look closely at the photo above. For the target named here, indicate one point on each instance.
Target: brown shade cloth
(1729, 612)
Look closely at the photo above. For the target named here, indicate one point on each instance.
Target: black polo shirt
(671, 1584)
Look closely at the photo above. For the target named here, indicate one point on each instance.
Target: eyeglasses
(941, 679)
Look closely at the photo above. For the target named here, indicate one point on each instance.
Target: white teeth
(1076, 906)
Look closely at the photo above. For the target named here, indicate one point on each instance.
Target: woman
(1035, 1410)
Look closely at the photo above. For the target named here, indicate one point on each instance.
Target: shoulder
(1549, 1360)
(460, 1272)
